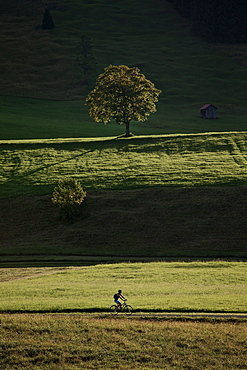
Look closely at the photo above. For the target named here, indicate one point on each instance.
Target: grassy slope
(169, 287)
(32, 167)
(42, 64)
(135, 225)
(193, 222)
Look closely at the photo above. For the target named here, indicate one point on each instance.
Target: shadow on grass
(7, 262)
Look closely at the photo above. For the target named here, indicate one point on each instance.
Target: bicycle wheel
(114, 309)
(128, 309)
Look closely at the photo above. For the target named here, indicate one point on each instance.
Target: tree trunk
(127, 125)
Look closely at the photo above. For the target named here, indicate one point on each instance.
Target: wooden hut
(208, 111)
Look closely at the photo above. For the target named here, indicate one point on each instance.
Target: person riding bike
(118, 296)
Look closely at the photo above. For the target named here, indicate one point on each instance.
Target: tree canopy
(68, 195)
(122, 94)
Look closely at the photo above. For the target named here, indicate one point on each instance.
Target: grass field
(191, 217)
(73, 342)
(41, 65)
(128, 225)
(158, 286)
(43, 99)
(34, 167)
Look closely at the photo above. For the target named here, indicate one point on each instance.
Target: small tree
(122, 94)
(68, 195)
(47, 23)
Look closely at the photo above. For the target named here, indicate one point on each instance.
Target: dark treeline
(214, 20)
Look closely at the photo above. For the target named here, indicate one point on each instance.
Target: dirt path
(147, 315)
(194, 315)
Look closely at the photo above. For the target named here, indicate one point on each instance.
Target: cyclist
(118, 296)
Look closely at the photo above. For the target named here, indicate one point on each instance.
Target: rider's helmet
(120, 291)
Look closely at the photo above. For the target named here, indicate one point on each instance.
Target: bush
(68, 195)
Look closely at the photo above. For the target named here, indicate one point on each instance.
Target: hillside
(33, 167)
(135, 225)
(156, 195)
(148, 197)
(42, 64)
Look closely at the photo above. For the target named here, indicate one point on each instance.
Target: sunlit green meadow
(32, 167)
(158, 286)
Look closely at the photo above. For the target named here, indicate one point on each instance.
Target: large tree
(123, 94)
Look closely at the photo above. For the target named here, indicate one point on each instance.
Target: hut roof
(205, 106)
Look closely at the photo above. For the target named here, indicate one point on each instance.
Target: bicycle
(125, 308)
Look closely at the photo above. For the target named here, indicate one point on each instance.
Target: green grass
(41, 65)
(43, 98)
(158, 286)
(24, 118)
(74, 342)
(34, 167)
